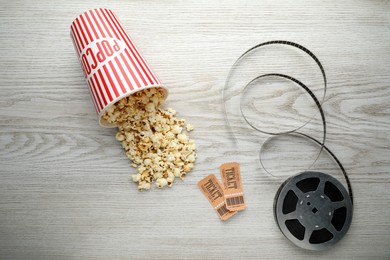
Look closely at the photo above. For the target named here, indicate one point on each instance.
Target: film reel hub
(313, 210)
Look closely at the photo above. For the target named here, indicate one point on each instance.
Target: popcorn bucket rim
(105, 124)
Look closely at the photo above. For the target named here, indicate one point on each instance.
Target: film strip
(316, 101)
(312, 209)
(288, 43)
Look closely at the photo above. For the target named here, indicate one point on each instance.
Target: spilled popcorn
(153, 138)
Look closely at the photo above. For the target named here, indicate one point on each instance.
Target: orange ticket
(232, 186)
(211, 188)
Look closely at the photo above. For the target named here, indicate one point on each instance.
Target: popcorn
(176, 129)
(176, 172)
(136, 177)
(153, 138)
(189, 127)
(172, 111)
(143, 185)
(119, 136)
(161, 182)
(182, 138)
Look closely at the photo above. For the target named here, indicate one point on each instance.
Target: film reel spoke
(321, 186)
(298, 192)
(336, 205)
(332, 229)
(292, 215)
(308, 232)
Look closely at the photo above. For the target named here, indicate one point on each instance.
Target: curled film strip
(303, 86)
(260, 46)
(312, 209)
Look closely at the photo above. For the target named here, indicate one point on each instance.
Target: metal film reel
(313, 210)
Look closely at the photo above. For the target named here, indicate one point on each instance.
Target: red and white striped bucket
(112, 64)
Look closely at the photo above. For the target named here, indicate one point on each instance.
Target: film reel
(313, 210)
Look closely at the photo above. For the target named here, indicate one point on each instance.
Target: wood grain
(65, 190)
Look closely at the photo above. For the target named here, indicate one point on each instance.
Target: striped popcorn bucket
(113, 66)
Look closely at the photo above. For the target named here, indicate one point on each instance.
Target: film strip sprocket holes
(312, 209)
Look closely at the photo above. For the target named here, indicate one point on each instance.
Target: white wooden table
(65, 189)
